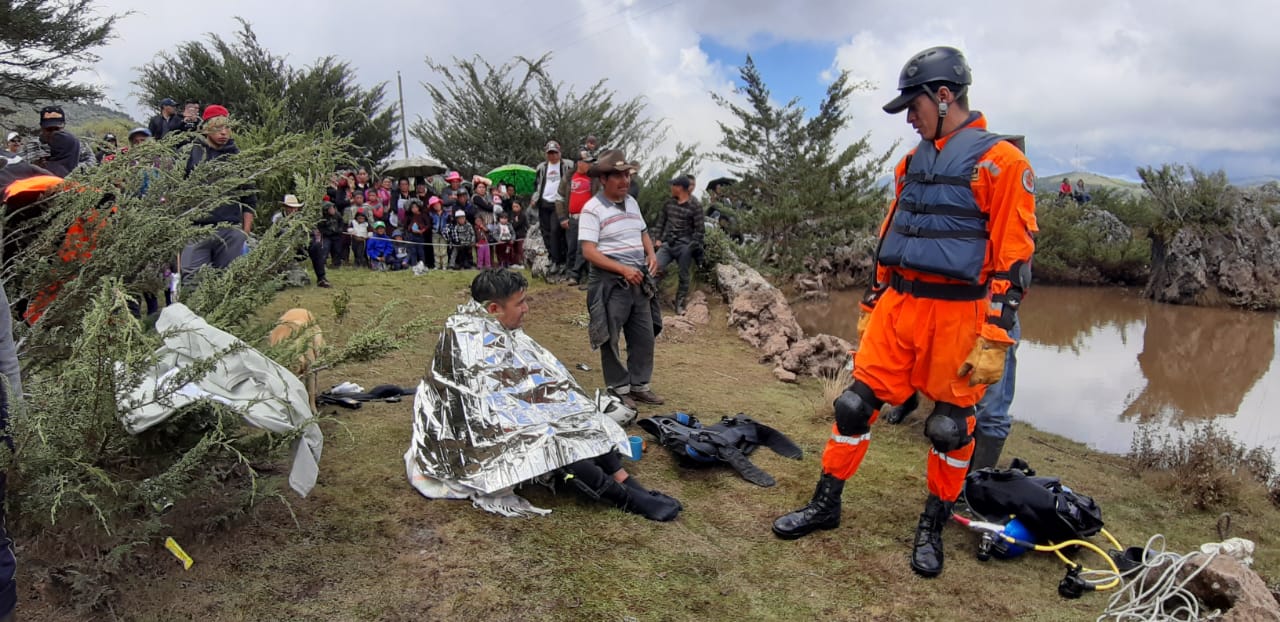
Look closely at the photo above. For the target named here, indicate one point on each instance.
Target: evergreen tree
(486, 116)
(243, 75)
(43, 42)
(804, 194)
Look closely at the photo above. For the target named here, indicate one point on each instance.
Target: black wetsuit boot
(823, 511)
(926, 554)
(986, 452)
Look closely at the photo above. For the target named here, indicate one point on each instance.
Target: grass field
(365, 546)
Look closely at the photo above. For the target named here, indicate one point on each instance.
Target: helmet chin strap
(942, 108)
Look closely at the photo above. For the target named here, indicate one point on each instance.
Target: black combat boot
(926, 554)
(823, 511)
(680, 304)
(986, 452)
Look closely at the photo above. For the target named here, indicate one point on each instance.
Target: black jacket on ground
(244, 199)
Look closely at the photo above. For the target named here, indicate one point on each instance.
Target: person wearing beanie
(224, 244)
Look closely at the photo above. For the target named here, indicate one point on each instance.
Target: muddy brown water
(1095, 363)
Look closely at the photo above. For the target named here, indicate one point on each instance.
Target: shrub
(1070, 248)
(82, 490)
(1207, 465)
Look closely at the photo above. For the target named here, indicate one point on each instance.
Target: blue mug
(637, 447)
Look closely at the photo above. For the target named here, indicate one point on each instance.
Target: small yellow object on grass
(172, 545)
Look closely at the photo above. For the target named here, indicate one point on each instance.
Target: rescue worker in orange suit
(952, 263)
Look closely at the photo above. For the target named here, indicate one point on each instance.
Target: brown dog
(299, 324)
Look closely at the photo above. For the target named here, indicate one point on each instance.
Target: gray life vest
(937, 226)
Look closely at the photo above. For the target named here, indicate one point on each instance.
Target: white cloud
(1114, 84)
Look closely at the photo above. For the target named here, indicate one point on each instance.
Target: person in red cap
(224, 244)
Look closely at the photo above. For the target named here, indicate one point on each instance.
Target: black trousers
(553, 236)
(317, 251)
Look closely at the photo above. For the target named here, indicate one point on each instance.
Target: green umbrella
(518, 175)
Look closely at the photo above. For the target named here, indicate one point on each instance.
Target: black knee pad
(948, 426)
(854, 408)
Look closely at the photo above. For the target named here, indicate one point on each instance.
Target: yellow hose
(1056, 549)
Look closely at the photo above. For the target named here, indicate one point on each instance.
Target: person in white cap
(462, 238)
(550, 202)
(13, 143)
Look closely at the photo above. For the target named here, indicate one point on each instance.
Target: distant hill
(1050, 183)
(83, 119)
(1255, 180)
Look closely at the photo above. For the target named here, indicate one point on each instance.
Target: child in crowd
(359, 235)
(384, 191)
(440, 226)
(484, 260)
(519, 227)
(419, 235)
(462, 239)
(357, 205)
(401, 261)
(379, 248)
(504, 236)
(377, 209)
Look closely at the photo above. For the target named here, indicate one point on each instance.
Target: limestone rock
(820, 355)
(535, 254)
(783, 375)
(1105, 226)
(1227, 585)
(696, 309)
(1237, 264)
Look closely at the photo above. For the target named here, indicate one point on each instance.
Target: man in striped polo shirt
(622, 296)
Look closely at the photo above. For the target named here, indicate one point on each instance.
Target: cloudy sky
(1101, 86)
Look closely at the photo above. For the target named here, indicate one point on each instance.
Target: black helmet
(936, 64)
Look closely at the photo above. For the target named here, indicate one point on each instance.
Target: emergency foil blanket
(497, 409)
(265, 393)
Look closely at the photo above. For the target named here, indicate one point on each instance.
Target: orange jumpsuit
(913, 343)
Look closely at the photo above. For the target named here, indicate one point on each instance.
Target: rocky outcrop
(846, 267)
(764, 319)
(1237, 264)
(696, 314)
(1105, 226)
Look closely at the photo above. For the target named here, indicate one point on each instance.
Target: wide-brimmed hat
(611, 161)
(292, 201)
(453, 176)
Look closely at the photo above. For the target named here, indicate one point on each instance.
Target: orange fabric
(78, 245)
(39, 183)
(919, 343)
(1004, 188)
(946, 471)
(915, 343)
(842, 455)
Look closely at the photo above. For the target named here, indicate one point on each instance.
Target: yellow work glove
(985, 364)
(864, 318)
